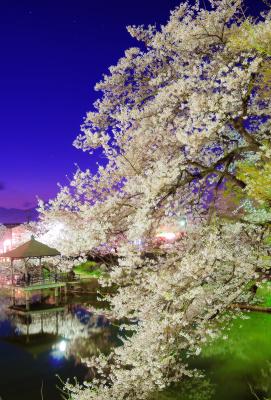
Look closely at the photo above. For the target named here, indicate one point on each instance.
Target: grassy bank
(263, 295)
(89, 269)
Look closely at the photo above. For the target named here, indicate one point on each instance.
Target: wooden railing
(31, 279)
(51, 278)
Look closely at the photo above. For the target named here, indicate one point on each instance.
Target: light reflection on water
(49, 341)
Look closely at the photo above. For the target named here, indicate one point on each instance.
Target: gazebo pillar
(57, 322)
(27, 329)
(56, 296)
(27, 301)
(12, 281)
(12, 271)
(40, 266)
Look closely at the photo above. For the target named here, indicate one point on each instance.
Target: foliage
(257, 177)
(88, 269)
(253, 37)
(258, 181)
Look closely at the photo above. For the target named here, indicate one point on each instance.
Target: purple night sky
(53, 53)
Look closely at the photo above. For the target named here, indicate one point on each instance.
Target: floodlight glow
(53, 233)
(62, 346)
(182, 222)
(7, 245)
(167, 235)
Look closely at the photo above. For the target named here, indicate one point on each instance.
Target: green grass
(263, 294)
(88, 269)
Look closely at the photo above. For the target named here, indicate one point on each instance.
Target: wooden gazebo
(30, 249)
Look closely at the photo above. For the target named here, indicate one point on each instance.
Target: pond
(39, 349)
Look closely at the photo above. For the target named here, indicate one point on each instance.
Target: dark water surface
(50, 341)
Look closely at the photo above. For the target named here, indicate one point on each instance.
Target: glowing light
(7, 245)
(59, 351)
(167, 235)
(183, 222)
(62, 346)
(54, 232)
(138, 242)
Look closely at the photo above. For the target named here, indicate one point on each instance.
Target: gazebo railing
(51, 278)
(5, 279)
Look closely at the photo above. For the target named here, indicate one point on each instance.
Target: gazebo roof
(31, 249)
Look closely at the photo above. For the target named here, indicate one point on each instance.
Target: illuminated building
(14, 235)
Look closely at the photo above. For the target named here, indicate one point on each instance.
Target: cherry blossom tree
(172, 122)
(176, 117)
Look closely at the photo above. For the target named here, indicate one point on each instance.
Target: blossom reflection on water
(48, 341)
